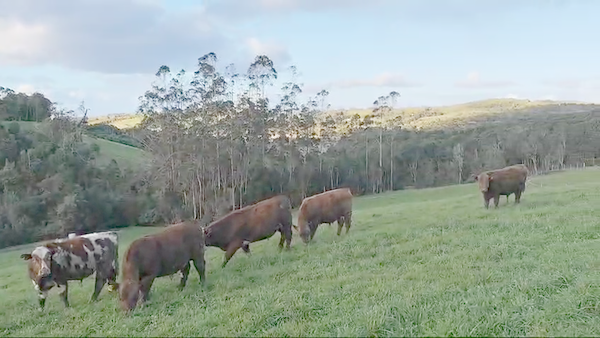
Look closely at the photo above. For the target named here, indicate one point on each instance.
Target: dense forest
(218, 143)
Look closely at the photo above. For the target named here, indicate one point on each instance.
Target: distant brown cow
(503, 181)
(59, 261)
(159, 255)
(250, 224)
(326, 207)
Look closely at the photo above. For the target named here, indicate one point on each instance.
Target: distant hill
(121, 121)
(126, 156)
(470, 113)
(435, 117)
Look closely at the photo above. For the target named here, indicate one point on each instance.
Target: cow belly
(80, 273)
(263, 236)
(329, 219)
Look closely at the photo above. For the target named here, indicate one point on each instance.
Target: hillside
(460, 115)
(470, 114)
(430, 262)
(121, 121)
(126, 156)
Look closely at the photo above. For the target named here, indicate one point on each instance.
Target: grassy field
(126, 156)
(429, 262)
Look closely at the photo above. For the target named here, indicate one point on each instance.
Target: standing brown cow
(159, 255)
(503, 181)
(253, 223)
(326, 207)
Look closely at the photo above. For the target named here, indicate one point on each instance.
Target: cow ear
(26, 256)
(490, 178)
(476, 177)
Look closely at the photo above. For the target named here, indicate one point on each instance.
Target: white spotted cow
(75, 258)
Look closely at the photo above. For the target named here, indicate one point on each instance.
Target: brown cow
(161, 254)
(326, 207)
(503, 181)
(57, 262)
(250, 224)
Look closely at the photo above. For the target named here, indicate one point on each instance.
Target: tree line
(217, 143)
(22, 107)
(220, 144)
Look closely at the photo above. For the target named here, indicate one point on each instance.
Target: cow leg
(231, 249)
(199, 264)
(348, 221)
(313, 230)
(281, 240)
(112, 279)
(486, 202)
(100, 281)
(184, 276)
(496, 200)
(42, 295)
(64, 294)
(340, 226)
(286, 235)
(112, 286)
(518, 197)
(145, 285)
(246, 247)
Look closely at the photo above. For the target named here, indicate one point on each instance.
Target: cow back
(326, 207)
(251, 223)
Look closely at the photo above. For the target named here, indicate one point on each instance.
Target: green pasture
(429, 262)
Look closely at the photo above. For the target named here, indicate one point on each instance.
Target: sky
(433, 52)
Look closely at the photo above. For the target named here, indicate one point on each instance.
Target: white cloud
(275, 51)
(387, 79)
(235, 10)
(111, 36)
(26, 88)
(76, 94)
(474, 80)
(571, 83)
(22, 43)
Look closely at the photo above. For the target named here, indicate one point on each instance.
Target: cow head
(483, 180)
(208, 236)
(129, 294)
(303, 229)
(40, 267)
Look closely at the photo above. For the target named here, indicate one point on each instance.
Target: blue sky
(433, 52)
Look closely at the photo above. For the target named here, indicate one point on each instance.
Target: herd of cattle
(172, 249)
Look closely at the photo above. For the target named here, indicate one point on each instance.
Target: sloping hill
(121, 121)
(456, 116)
(470, 113)
(126, 156)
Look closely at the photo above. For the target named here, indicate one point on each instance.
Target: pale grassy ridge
(429, 262)
(121, 121)
(467, 114)
(435, 117)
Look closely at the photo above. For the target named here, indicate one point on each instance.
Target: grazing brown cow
(75, 258)
(503, 181)
(253, 223)
(326, 207)
(161, 254)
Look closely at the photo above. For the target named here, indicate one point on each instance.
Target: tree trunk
(392, 162)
